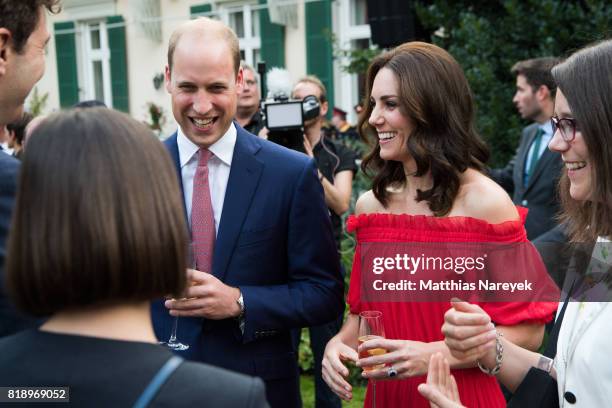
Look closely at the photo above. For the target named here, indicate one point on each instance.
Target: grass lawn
(308, 394)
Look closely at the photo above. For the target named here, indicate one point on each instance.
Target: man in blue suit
(23, 37)
(274, 263)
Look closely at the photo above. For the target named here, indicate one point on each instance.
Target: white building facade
(115, 50)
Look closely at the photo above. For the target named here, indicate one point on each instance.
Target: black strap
(160, 378)
(551, 347)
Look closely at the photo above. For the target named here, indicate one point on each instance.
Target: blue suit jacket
(10, 320)
(275, 243)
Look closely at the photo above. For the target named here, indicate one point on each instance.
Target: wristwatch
(240, 302)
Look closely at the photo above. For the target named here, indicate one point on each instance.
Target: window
(94, 62)
(359, 12)
(353, 33)
(244, 20)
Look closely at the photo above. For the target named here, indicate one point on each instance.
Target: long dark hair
(586, 81)
(435, 96)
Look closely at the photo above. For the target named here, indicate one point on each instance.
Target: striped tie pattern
(202, 218)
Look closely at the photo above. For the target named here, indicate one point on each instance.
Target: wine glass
(371, 327)
(173, 343)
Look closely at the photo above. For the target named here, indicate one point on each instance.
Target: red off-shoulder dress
(422, 321)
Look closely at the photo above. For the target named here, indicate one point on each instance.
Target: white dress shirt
(218, 169)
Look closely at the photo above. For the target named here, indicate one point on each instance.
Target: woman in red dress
(428, 187)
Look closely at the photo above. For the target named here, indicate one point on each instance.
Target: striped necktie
(202, 216)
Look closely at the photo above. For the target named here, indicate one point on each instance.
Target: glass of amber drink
(371, 327)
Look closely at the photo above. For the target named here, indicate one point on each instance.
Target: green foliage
(352, 60)
(308, 394)
(488, 37)
(358, 59)
(305, 358)
(38, 102)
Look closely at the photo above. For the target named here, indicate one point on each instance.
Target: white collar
(223, 148)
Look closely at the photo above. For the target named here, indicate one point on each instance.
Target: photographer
(248, 114)
(336, 168)
(335, 162)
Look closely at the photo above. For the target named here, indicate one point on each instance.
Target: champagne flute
(173, 343)
(371, 327)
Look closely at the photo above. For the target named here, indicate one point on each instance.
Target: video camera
(284, 117)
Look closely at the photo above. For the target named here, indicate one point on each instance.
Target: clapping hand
(441, 388)
(469, 333)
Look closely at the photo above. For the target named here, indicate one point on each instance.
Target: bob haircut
(585, 80)
(435, 97)
(98, 218)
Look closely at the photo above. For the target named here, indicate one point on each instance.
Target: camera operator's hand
(263, 133)
(308, 147)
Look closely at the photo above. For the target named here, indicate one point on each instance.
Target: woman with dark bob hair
(582, 125)
(98, 232)
(428, 187)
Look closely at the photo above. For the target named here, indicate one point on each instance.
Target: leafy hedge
(488, 37)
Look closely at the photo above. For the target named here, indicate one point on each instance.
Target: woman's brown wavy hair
(435, 96)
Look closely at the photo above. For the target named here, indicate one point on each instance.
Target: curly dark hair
(20, 17)
(435, 96)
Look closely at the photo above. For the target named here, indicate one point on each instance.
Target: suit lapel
(243, 180)
(542, 163)
(172, 146)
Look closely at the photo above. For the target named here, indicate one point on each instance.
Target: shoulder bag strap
(160, 378)
(551, 348)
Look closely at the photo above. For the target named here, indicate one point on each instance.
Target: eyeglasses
(566, 126)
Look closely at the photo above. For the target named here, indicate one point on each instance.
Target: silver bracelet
(499, 356)
(545, 363)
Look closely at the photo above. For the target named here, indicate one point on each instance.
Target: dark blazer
(275, 243)
(10, 320)
(540, 194)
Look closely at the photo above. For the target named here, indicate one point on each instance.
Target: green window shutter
(65, 54)
(118, 64)
(272, 40)
(319, 53)
(200, 8)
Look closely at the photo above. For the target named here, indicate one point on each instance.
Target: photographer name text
(431, 285)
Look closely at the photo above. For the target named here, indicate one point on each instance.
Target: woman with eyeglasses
(582, 127)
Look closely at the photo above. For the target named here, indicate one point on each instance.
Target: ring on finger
(391, 372)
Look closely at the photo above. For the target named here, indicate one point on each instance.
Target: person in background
(266, 262)
(582, 135)
(89, 250)
(23, 38)
(30, 127)
(4, 141)
(248, 114)
(16, 132)
(344, 130)
(428, 187)
(532, 174)
(336, 169)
